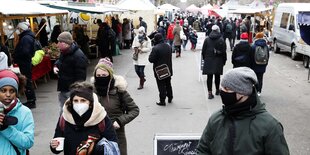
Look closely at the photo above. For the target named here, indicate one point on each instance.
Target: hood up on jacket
(260, 42)
(96, 117)
(120, 82)
(215, 35)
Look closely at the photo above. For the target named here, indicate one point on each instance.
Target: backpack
(36, 46)
(261, 55)
(229, 28)
(62, 123)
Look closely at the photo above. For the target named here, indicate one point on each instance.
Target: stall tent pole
(31, 24)
(1, 30)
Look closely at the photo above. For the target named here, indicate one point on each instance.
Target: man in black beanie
(243, 126)
(161, 55)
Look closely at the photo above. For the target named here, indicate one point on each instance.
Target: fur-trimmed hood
(96, 117)
(120, 82)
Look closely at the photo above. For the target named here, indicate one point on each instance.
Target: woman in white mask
(82, 117)
(143, 46)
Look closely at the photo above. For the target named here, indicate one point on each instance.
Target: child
(193, 39)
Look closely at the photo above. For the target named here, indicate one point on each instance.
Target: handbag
(162, 71)
(182, 35)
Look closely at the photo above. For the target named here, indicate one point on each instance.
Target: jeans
(140, 70)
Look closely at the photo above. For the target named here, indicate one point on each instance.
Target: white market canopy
(136, 5)
(250, 10)
(26, 9)
(168, 7)
(85, 7)
(193, 8)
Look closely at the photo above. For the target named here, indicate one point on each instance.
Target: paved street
(285, 92)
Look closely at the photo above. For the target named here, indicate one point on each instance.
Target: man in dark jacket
(106, 40)
(242, 55)
(243, 126)
(214, 56)
(24, 51)
(162, 55)
(70, 67)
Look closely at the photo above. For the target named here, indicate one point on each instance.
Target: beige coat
(176, 32)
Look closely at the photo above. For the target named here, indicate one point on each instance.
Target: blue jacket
(21, 134)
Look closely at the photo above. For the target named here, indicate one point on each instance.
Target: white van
(286, 31)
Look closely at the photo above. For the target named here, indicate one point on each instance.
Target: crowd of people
(100, 109)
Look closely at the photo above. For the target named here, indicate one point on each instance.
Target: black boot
(161, 103)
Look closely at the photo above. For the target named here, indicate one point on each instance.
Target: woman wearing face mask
(112, 93)
(243, 126)
(82, 116)
(16, 120)
(143, 46)
(70, 67)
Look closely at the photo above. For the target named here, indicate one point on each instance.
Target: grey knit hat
(239, 80)
(65, 37)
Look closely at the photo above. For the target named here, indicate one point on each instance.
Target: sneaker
(211, 96)
(258, 94)
(217, 92)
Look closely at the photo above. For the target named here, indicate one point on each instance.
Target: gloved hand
(116, 125)
(56, 70)
(5, 121)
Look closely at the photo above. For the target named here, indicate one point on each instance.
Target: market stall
(260, 15)
(27, 10)
(139, 8)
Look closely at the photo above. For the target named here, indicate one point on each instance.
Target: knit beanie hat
(105, 63)
(240, 80)
(84, 92)
(23, 25)
(259, 35)
(215, 28)
(65, 37)
(3, 61)
(244, 35)
(8, 78)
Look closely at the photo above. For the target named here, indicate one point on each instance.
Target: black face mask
(229, 98)
(102, 85)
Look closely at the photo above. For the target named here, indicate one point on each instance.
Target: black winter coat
(72, 68)
(161, 54)
(242, 55)
(77, 128)
(213, 64)
(24, 50)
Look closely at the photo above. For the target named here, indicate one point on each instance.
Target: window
(284, 20)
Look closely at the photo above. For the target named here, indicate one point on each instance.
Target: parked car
(286, 31)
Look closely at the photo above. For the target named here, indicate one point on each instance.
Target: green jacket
(253, 132)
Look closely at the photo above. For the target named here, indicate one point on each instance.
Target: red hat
(8, 73)
(244, 36)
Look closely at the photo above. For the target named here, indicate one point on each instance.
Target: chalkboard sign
(176, 144)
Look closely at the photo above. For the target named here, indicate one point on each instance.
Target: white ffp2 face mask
(80, 108)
